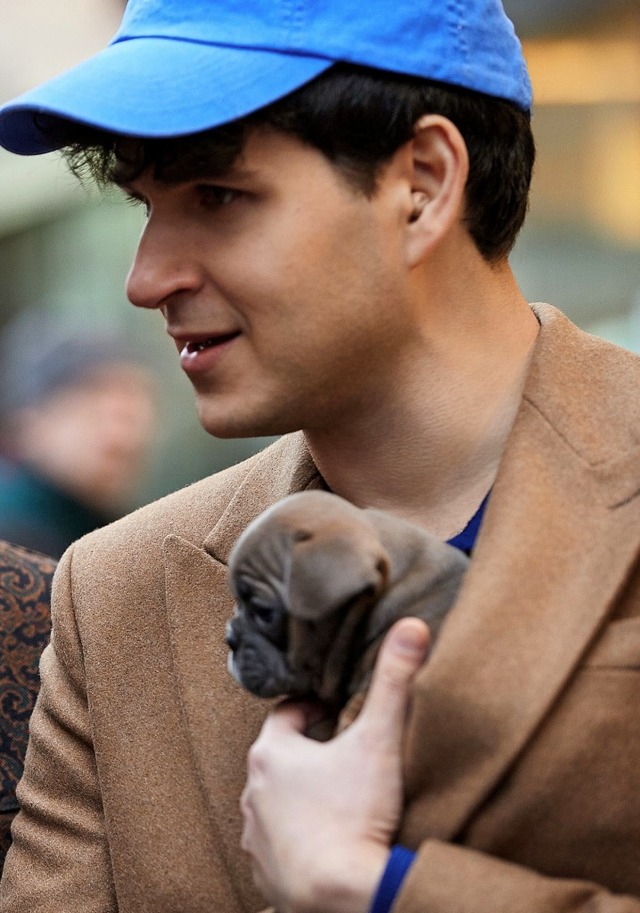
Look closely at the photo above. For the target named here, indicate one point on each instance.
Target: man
(329, 253)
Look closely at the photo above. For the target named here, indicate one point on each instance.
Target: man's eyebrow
(230, 174)
(234, 172)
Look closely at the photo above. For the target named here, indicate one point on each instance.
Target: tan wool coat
(523, 744)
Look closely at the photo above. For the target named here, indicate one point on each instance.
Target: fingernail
(409, 643)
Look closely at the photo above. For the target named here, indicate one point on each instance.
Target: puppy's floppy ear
(332, 566)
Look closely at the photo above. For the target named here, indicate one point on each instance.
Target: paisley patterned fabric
(25, 591)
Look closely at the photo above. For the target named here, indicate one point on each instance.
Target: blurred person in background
(76, 426)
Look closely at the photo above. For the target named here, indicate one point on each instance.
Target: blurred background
(67, 249)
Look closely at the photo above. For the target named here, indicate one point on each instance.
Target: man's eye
(214, 196)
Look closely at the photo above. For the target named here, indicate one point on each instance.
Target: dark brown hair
(358, 118)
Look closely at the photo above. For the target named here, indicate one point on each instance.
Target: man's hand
(319, 817)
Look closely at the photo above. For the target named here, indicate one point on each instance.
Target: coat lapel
(222, 720)
(560, 534)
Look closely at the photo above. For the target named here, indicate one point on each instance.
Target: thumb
(401, 655)
(293, 716)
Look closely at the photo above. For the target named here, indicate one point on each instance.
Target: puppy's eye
(270, 620)
(243, 588)
(264, 614)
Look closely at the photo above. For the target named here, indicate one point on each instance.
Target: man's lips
(193, 346)
(198, 353)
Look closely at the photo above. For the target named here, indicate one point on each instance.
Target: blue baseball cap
(181, 66)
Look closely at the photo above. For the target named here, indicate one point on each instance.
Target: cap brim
(154, 87)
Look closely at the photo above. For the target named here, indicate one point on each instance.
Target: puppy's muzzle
(259, 665)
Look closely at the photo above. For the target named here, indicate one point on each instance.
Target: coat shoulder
(585, 387)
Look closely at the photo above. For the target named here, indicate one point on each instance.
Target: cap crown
(471, 43)
(177, 67)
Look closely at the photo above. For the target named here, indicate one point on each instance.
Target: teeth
(195, 347)
(199, 346)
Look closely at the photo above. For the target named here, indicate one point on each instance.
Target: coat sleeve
(447, 878)
(59, 859)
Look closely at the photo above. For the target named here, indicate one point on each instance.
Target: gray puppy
(318, 582)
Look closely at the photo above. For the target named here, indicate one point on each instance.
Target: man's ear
(439, 167)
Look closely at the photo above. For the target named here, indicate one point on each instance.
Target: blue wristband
(400, 861)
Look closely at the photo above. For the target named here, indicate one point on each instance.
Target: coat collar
(285, 468)
(561, 532)
(221, 719)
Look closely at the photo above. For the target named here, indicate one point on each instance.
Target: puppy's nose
(230, 637)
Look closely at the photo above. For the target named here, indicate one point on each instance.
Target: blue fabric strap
(400, 860)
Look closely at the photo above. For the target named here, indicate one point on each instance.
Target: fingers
(294, 716)
(403, 651)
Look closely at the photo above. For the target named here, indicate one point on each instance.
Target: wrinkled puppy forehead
(303, 515)
(264, 545)
(313, 551)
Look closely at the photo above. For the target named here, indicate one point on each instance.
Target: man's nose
(161, 269)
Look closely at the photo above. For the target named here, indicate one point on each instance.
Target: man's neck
(429, 449)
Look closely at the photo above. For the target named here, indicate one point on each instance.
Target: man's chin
(228, 425)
